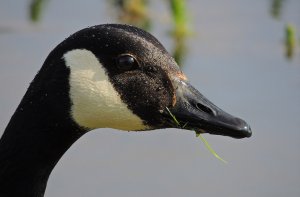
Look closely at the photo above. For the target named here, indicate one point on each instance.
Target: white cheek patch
(95, 102)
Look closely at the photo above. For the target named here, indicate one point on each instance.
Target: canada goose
(112, 75)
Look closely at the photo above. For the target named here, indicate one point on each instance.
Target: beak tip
(249, 131)
(246, 130)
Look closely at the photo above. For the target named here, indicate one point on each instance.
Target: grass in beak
(211, 150)
(174, 118)
(198, 134)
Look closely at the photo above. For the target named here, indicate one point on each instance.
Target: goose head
(122, 77)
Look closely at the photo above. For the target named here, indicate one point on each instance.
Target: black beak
(195, 112)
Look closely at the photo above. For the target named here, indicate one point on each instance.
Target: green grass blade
(198, 134)
(210, 148)
(174, 118)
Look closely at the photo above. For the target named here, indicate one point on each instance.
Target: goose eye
(126, 62)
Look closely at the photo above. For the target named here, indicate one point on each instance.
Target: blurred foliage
(179, 51)
(136, 12)
(276, 6)
(180, 29)
(290, 40)
(290, 30)
(179, 13)
(133, 12)
(35, 9)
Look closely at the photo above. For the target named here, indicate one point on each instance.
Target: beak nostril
(205, 109)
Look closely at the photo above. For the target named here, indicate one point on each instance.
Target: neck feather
(38, 134)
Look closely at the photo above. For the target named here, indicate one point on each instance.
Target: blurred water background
(243, 55)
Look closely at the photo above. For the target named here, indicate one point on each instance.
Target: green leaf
(198, 134)
(211, 150)
(174, 118)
